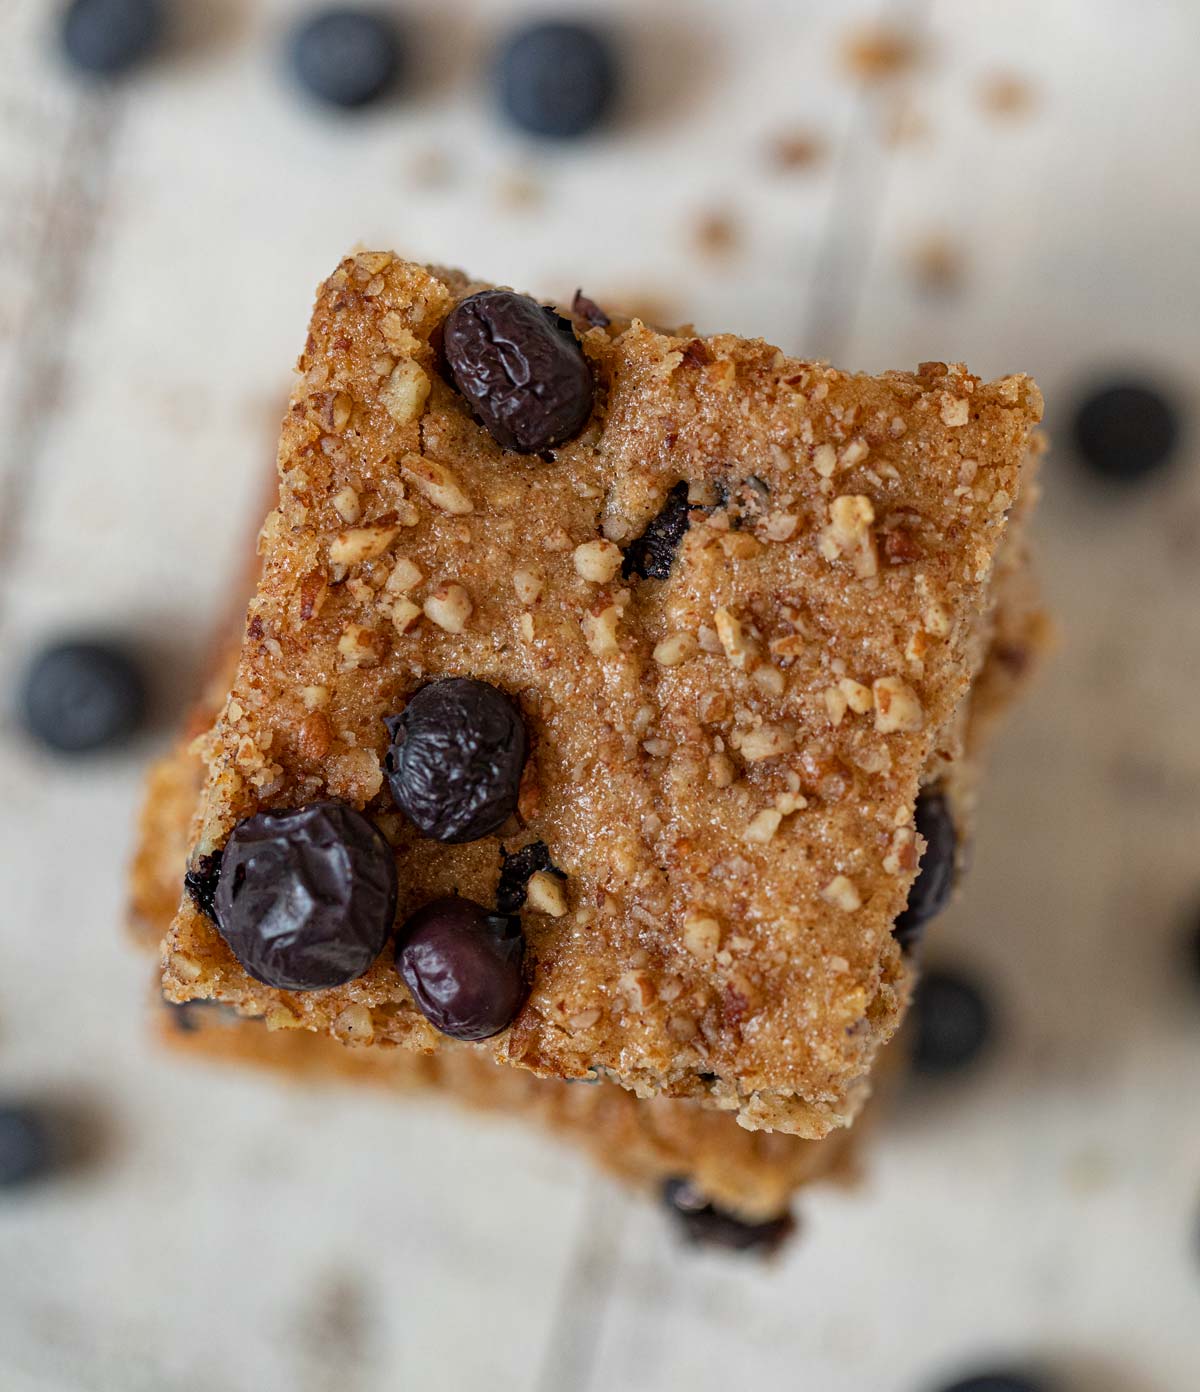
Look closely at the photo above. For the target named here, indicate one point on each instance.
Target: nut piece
(528, 585)
(185, 968)
(361, 544)
(825, 460)
(438, 483)
(738, 647)
(854, 453)
(449, 606)
(763, 826)
(545, 894)
(767, 742)
(701, 935)
(955, 410)
(637, 988)
(354, 1025)
(848, 535)
(676, 649)
(405, 614)
(896, 706)
(314, 697)
(405, 575)
(842, 894)
(858, 697)
(836, 704)
(721, 770)
(347, 505)
(600, 630)
(405, 392)
(936, 619)
(598, 561)
(358, 646)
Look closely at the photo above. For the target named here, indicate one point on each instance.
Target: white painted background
(158, 248)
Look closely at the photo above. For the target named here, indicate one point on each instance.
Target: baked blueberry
(1000, 1381)
(201, 880)
(463, 966)
(107, 37)
(346, 57)
(307, 896)
(589, 311)
(952, 1023)
(520, 367)
(1125, 430)
(455, 759)
(80, 696)
(931, 889)
(26, 1144)
(651, 555)
(517, 869)
(556, 78)
(706, 1225)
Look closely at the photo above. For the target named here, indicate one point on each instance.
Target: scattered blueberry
(80, 696)
(557, 79)
(1125, 431)
(346, 57)
(463, 966)
(520, 367)
(107, 37)
(952, 1023)
(307, 896)
(455, 759)
(26, 1146)
(652, 554)
(705, 1225)
(998, 1382)
(931, 889)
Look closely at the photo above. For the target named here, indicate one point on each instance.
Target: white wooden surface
(157, 251)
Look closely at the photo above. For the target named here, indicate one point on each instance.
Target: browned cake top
(724, 763)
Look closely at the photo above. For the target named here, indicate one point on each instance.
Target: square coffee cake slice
(600, 696)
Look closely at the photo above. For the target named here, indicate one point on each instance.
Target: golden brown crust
(765, 784)
(644, 1142)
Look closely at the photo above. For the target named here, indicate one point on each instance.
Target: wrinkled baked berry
(27, 1150)
(952, 1023)
(1000, 1381)
(1125, 431)
(107, 37)
(463, 966)
(651, 555)
(706, 1225)
(520, 367)
(556, 79)
(935, 878)
(455, 759)
(589, 311)
(82, 696)
(346, 57)
(307, 896)
(516, 871)
(201, 880)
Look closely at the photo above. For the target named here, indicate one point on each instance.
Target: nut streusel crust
(724, 762)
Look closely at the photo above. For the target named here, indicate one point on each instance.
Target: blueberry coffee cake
(601, 708)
